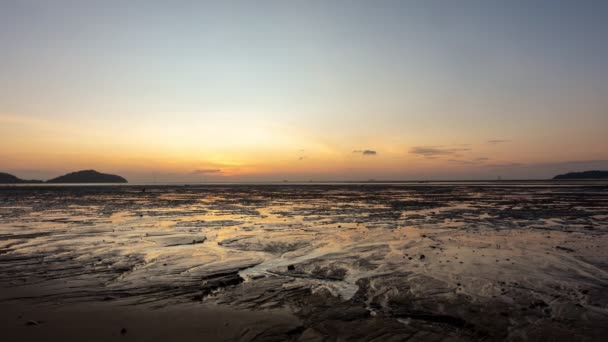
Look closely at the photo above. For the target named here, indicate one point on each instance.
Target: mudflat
(317, 262)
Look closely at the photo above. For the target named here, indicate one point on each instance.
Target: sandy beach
(325, 262)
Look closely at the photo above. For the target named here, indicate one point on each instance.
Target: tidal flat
(305, 262)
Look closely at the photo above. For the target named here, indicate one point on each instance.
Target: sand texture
(305, 263)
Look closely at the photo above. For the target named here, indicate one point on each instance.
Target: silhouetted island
(7, 178)
(88, 176)
(584, 175)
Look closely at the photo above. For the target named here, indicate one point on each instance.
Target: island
(88, 176)
(7, 178)
(595, 174)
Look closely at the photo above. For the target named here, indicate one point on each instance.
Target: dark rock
(539, 304)
(565, 249)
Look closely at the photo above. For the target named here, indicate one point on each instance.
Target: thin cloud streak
(366, 152)
(436, 151)
(475, 161)
(206, 171)
(498, 141)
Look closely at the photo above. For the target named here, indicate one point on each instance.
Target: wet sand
(305, 262)
(110, 322)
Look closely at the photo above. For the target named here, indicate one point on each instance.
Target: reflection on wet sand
(355, 261)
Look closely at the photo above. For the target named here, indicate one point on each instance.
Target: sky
(188, 91)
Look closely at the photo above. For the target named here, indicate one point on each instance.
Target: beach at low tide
(305, 262)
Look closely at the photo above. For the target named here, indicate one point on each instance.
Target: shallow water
(456, 260)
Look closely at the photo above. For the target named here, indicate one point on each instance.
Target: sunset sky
(299, 90)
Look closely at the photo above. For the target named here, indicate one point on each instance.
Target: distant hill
(7, 178)
(584, 175)
(88, 176)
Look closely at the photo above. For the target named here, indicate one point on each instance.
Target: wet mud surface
(351, 262)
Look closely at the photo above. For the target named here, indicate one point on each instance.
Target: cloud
(505, 165)
(366, 152)
(498, 141)
(301, 155)
(206, 171)
(437, 151)
(474, 161)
